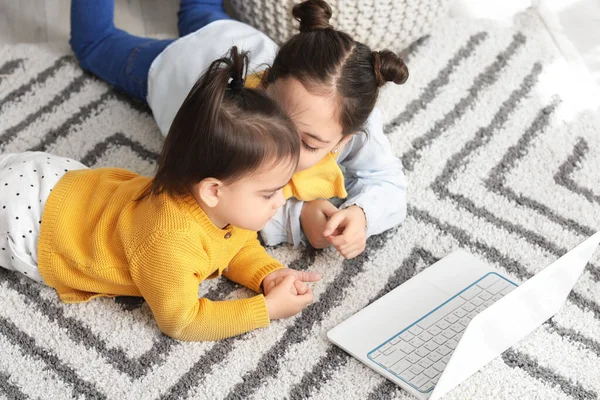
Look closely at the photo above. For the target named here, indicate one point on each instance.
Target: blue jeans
(122, 59)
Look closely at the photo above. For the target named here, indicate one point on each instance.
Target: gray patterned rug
(502, 154)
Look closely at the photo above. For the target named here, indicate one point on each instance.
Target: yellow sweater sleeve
(167, 269)
(251, 264)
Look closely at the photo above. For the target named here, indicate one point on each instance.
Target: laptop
(438, 328)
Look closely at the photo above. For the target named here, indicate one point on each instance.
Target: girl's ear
(343, 142)
(209, 191)
(264, 81)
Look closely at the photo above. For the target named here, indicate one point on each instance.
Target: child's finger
(270, 286)
(287, 280)
(334, 222)
(306, 298)
(279, 280)
(306, 276)
(340, 240)
(301, 287)
(329, 209)
(350, 245)
(352, 251)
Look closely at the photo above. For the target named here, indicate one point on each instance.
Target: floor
(23, 20)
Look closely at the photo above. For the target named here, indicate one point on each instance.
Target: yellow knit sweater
(97, 240)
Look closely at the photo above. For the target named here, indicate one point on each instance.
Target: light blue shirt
(374, 181)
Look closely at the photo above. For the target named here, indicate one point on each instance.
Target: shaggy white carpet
(502, 154)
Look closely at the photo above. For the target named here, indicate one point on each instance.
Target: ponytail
(223, 130)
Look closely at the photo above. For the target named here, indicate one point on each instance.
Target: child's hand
(314, 218)
(284, 300)
(346, 230)
(276, 277)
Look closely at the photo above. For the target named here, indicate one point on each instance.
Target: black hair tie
(237, 84)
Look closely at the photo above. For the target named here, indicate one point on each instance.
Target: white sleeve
(374, 178)
(284, 227)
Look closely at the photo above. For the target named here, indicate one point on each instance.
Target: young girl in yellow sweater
(324, 79)
(109, 232)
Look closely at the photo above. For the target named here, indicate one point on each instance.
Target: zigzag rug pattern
(501, 153)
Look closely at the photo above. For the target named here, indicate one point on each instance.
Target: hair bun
(313, 15)
(389, 68)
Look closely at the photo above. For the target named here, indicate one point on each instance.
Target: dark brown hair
(326, 61)
(224, 131)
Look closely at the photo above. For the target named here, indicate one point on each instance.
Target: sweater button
(227, 235)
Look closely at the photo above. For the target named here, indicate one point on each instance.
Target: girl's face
(249, 202)
(315, 117)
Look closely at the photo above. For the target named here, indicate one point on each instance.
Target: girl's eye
(269, 196)
(307, 147)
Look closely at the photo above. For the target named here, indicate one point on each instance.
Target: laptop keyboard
(419, 353)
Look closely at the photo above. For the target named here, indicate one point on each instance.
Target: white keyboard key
(385, 347)
(441, 312)
(416, 369)
(488, 281)
(400, 366)
(397, 355)
(416, 342)
(395, 340)
(473, 314)
(484, 295)
(431, 346)
(405, 347)
(419, 380)
(375, 355)
(471, 292)
(413, 358)
(390, 350)
(415, 330)
(434, 330)
(435, 380)
(387, 360)
(498, 286)
(497, 297)
(445, 359)
(434, 356)
(468, 307)
(444, 350)
(431, 372)
(480, 308)
(440, 365)
(458, 336)
(449, 334)
(476, 301)
(422, 352)
(407, 375)
(426, 386)
(406, 336)
(383, 361)
(464, 321)
(508, 289)
(439, 340)
(425, 336)
(443, 325)
(457, 327)
(425, 363)
(452, 343)
(451, 318)
(460, 312)
(488, 303)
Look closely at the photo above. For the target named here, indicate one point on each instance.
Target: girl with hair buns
(348, 185)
